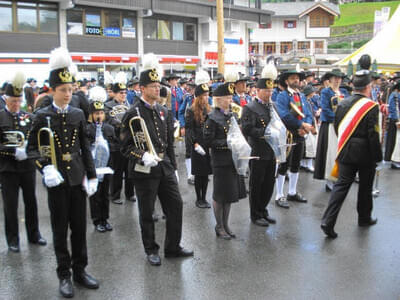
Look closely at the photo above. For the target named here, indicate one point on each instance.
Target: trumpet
(13, 138)
(236, 109)
(296, 110)
(47, 150)
(141, 137)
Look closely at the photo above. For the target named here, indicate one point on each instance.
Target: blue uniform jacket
(285, 112)
(187, 102)
(236, 98)
(375, 93)
(327, 114)
(393, 111)
(176, 97)
(316, 102)
(275, 94)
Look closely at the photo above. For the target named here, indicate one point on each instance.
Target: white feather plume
(60, 58)
(120, 78)
(298, 69)
(269, 71)
(108, 79)
(202, 77)
(73, 69)
(150, 61)
(97, 93)
(18, 80)
(231, 76)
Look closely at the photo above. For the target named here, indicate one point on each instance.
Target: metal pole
(220, 26)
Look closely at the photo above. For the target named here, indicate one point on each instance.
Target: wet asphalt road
(289, 260)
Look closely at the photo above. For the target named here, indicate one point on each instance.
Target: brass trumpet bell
(13, 138)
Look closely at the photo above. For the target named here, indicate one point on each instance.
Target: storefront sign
(112, 31)
(94, 30)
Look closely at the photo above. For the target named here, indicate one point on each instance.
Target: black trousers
(67, 206)
(390, 139)
(120, 166)
(100, 203)
(261, 184)
(340, 189)
(10, 184)
(293, 159)
(166, 188)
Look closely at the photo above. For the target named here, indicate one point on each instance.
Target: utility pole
(221, 46)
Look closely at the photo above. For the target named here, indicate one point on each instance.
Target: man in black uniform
(115, 109)
(16, 170)
(64, 176)
(154, 173)
(255, 118)
(359, 150)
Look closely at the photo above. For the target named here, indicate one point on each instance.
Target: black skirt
(226, 184)
(322, 148)
(201, 164)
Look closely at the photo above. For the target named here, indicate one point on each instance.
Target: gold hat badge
(231, 88)
(153, 75)
(65, 76)
(98, 105)
(269, 84)
(204, 87)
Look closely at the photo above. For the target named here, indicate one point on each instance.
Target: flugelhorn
(141, 138)
(13, 138)
(47, 150)
(118, 112)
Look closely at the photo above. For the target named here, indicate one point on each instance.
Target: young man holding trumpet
(16, 169)
(58, 139)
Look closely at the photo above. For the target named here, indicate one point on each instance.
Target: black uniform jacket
(78, 100)
(159, 124)
(255, 118)
(74, 158)
(108, 134)
(194, 129)
(114, 122)
(23, 123)
(363, 147)
(215, 134)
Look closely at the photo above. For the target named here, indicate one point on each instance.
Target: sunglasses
(122, 92)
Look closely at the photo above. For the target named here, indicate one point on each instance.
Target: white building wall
(278, 32)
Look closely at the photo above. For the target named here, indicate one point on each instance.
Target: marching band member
(115, 110)
(241, 97)
(255, 119)
(16, 169)
(200, 157)
(226, 178)
(294, 112)
(103, 140)
(327, 139)
(153, 166)
(64, 173)
(392, 140)
(359, 150)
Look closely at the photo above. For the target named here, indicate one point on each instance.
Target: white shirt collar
(59, 108)
(292, 91)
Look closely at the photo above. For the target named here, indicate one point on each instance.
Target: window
(5, 16)
(190, 32)
(48, 20)
(163, 30)
(286, 47)
(290, 24)
(150, 28)
(244, 3)
(74, 21)
(112, 26)
(177, 31)
(128, 25)
(265, 25)
(27, 17)
(303, 45)
(319, 21)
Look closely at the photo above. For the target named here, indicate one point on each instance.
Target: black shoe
(221, 233)
(117, 201)
(154, 259)
(182, 252)
(261, 222)
(131, 198)
(297, 198)
(269, 219)
(394, 167)
(367, 223)
(203, 204)
(282, 202)
(328, 188)
(66, 289)
(108, 226)
(40, 241)
(13, 248)
(329, 231)
(100, 228)
(86, 280)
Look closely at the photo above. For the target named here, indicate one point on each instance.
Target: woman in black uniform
(200, 157)
(226, 179)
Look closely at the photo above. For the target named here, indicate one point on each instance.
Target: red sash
(348, 124)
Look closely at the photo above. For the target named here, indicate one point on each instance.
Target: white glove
(199, 149)
(177, 175)
(51, 176)
(149, 160)
(20, 153)
(92, 186)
